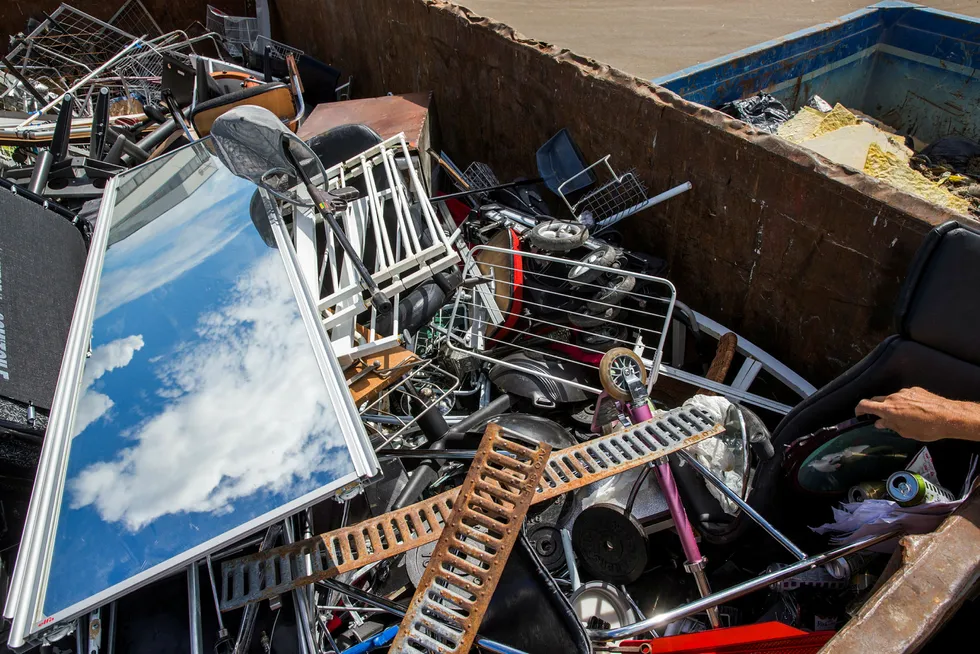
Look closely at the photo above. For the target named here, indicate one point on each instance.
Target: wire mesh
(134, 18)
(525, 303)
(613, 197)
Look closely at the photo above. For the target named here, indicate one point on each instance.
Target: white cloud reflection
(244, 414)
(172, 244)
(92, 405)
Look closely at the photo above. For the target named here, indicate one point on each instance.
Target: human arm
(917, 414)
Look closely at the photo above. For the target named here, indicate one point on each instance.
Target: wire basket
(277, 49)
(614, 197)
(235, 31)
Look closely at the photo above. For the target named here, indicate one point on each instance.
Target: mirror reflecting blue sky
(202, 406)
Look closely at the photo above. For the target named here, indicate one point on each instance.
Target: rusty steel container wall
(802, 256)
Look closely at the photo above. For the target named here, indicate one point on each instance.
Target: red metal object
(768, 637)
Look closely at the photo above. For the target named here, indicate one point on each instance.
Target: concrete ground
(649, 38)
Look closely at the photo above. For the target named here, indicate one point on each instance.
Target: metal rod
(738, 590)
(305, 633)
(455, 455)
(113, 617)
(399, 611)
(214, 594)
(489, 189)
(742, 504)
(194, 609)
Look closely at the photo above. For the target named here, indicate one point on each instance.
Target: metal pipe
(742, 504)
(399, 611)
(737, 590)
(149, 142)
(113, 617)
(566, 544)
(489, 189)
(480, 416)
(677, 512)
(39, 176)
(454, 455)
(194, 608)
(306, 641)
(214, 594)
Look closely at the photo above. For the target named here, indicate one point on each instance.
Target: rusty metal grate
(276, 571)
(469, 559)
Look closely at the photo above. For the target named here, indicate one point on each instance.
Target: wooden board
(371, 385)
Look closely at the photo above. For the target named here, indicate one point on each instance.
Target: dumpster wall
(801, 257)
(910, 66)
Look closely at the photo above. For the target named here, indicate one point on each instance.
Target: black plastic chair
(935, 347)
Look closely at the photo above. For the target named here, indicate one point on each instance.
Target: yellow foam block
(839, 117)
(894, 170)
(799, 128)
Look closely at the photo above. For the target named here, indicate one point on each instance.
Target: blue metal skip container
(911, 67)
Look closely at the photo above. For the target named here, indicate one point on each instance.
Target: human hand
(917, 414)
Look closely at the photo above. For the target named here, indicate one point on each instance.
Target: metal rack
(553, 318)
(392, 224)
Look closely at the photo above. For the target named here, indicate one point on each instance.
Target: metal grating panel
(469, 559)
(266, 574)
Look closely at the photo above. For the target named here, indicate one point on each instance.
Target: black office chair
(936, 347)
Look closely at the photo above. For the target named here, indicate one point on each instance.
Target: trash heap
(361, 396)
(940, 172)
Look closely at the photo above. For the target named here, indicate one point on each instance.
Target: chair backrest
(939, 304)
(276, 97)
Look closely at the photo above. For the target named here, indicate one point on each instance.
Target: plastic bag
(761, 111)
(959, 153)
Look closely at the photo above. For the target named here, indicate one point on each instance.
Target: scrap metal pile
(378, 399)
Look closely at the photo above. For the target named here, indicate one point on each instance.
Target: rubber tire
(614, 293)
(606, 377)
(558, 236)
(605, 255)
(593, 320)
